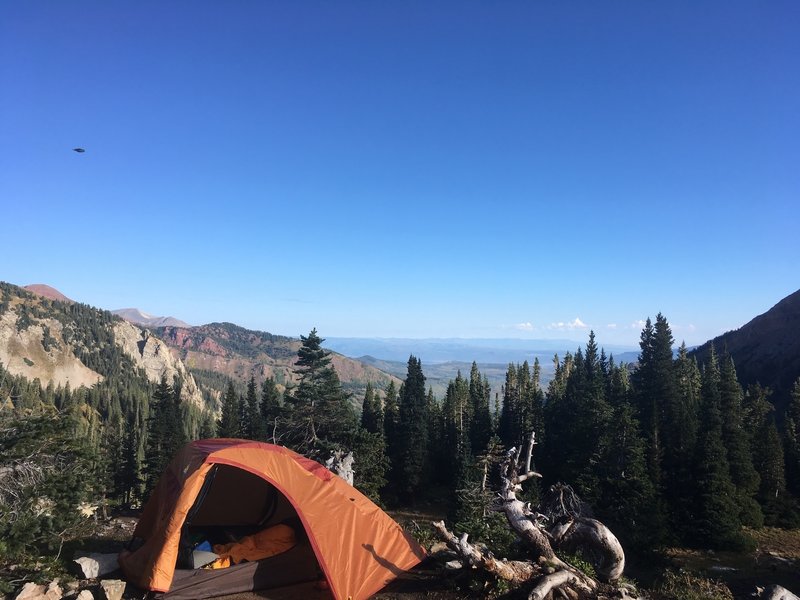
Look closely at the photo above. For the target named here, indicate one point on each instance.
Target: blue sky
(409, 169)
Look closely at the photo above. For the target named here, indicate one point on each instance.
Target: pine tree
(479, 393)
(743, 474)
(370, 464)
(391, 430)
(128, 481)
(679, 461)
(270, 410)
(770, 463)
(371, 411)
(321, 416)
(510, 418)
(716, 524)
(792, 441)
(413, 433)
(228, 425)
(655, 390)
(159, 446)
(456, 421)
(626, 497)
(256, 429)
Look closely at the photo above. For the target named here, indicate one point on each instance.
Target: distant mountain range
(766, 350)
(218, 351)
(442, 350)
(134, 315)
(40, 338)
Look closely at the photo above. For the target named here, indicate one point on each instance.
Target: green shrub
(682, 585)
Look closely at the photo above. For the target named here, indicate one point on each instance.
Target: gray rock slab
(95, 565)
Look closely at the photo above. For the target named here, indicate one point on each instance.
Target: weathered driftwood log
(514, 571)
(595, 542)
(341, 463)
(570, 532)
(775, 592)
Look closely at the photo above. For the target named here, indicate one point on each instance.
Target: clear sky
(408, 169)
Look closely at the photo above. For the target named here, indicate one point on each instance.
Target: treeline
(666, 452)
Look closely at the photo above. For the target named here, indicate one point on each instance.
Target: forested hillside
(766, 349)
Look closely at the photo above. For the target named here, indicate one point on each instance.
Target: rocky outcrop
(39, 351)
(154, 357)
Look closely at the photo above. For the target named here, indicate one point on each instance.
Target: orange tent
(233, 487)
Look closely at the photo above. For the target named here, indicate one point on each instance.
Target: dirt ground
(776, 560)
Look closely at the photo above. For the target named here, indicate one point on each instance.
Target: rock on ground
(33, 591)
(113, 588)
(96, 565)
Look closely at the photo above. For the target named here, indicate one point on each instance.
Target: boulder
(95, 565)
(113, 588)
(85, 595)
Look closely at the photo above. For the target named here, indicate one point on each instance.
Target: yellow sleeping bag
(265, 543)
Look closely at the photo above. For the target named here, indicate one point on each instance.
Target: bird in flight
(79, 150)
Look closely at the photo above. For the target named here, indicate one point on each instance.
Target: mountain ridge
(766, 349)
(139, 317)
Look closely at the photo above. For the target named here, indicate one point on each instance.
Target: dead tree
(563, 530)
(341, 463)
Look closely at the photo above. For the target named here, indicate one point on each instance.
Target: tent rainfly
(221, 489)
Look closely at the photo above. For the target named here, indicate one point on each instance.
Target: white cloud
(637, 324)
(611, 326)
(576, 324)
(527, 326)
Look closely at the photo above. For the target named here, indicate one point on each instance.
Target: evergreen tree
(160, 426)
(370, 463)
(743, 474)
(479, 393)
(270, 410)
(679, 460)
(655, 390)
(256, 429)
(413, 434)
(128, 479)
(792, 441)
(391, 430)
(509, 427)
(321, 417)
(769, 459)
(717, 524)
(456, 421)
(228, 425)
(372, 412)
(626, 497)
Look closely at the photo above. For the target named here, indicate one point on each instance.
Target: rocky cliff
(38, 351)
(154, 357)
